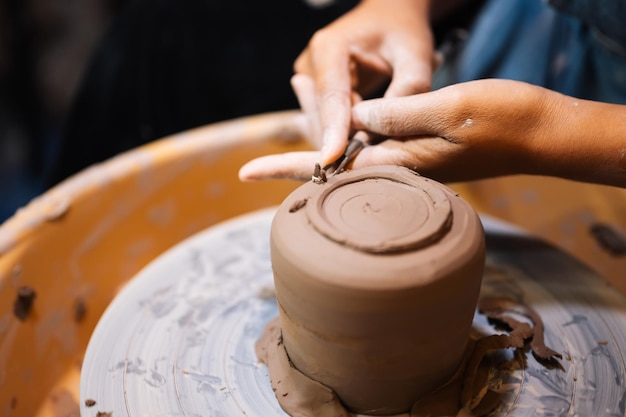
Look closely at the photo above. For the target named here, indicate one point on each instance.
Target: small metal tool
(355, 145)
(359, 141)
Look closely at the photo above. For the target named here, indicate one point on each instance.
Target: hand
(481, 129)
(354, 56)
(466, 131)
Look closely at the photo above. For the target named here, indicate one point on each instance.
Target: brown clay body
(377, 276)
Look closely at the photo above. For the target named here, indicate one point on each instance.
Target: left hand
(355, 55)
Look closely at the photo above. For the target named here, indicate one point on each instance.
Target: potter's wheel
(179, 339)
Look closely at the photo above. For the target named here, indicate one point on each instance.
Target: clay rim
(436, 201)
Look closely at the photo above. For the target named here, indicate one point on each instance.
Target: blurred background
(44, 49)
(83, 80)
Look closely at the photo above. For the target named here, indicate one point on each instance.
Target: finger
(390, 152)
(332, 77)
(304, 88)
(292, 165)
(430, 156)
(419, 114)
(302, 64)
(410, 77)
(412, 71)
(305, 92)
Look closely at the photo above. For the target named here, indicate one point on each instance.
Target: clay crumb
(603, 342)
(24, 302)
(319, 175)
(89, 402)
(80, 309)
(610, 238)
(298, 205)
(104, 414)
(267, 293)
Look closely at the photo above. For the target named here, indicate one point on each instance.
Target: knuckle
(385, 121)
(321, 38)
(336, 96)
(300, 64)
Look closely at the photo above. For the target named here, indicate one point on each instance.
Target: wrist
(582, 140)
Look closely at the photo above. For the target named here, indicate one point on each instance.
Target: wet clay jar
(377, 275)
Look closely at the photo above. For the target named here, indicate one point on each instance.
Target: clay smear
(465, 395)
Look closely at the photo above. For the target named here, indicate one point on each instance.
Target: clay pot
(377, 275)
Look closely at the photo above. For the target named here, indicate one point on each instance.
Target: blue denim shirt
(607, 17)
(577, 47)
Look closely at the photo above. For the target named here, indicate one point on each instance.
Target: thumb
(399, 116)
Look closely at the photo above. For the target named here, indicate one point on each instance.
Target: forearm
(582, 140)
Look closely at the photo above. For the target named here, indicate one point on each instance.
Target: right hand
(465, 131)
(481, 129)
(373, 43)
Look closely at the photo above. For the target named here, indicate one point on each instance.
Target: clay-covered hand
(481, 129)
(356, 54)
